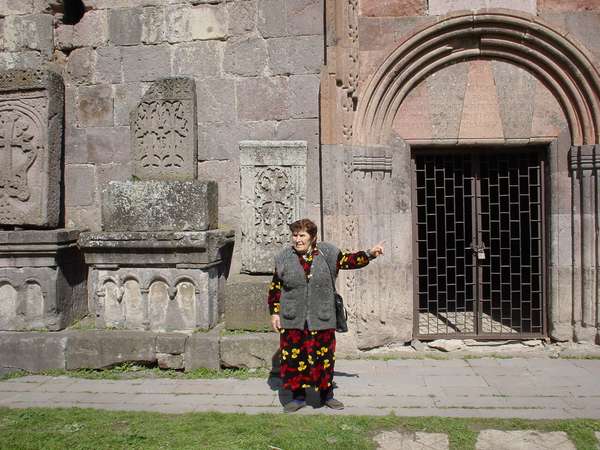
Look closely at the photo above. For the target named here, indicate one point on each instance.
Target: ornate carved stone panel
(31, 130)
(273, 192)
(164, 132)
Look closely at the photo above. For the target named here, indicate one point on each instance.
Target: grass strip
(93, 429)
(133, 371)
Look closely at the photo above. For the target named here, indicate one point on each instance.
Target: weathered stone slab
(168, 361)
(563, 6)
(172, 343)
(31, 133)
(481, 111)
(164, 134)
(160, 206)
(516, 96)
(252, 350)
(273, 192)
(245, 300)
(386, 8)
(98, 349)
(440, 7)
(167, 249)
(394, 440)
(202, 351)
(43, 280)
(529, 439)
(33, 352)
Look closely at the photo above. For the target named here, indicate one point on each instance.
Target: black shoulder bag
(341, 315)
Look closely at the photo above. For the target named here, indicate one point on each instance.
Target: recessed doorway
(479, 247)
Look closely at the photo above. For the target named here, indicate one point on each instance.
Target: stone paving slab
(523, 440)
(393, 440)
(453, 388)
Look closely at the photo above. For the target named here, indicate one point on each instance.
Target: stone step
(95, 349)
(394, 440)
(523, 439)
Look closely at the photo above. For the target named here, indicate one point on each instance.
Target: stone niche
(159, 261)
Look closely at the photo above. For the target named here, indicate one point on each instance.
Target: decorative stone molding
(31, 130)
(584, 158)
(347, 62)
(273, 193)
(372, 165)
(164, 134)
(526, 41)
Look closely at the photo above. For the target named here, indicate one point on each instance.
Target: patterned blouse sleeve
(274, 294)
(348, 260)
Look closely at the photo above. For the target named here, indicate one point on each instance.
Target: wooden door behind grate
(479, 245)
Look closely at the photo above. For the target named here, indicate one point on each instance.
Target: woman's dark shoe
(333, 403)
(294, 406)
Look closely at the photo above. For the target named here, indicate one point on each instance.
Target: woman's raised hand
(377, 250)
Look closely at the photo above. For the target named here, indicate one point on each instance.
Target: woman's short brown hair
(304, 225)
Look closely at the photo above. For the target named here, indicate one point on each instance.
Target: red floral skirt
(307, 359)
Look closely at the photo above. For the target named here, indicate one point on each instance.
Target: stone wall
(255, 64)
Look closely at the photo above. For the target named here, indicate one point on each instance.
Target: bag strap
(329, 267)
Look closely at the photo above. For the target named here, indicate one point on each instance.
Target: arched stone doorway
(492, 84)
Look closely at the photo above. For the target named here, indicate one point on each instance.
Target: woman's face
(301, 241)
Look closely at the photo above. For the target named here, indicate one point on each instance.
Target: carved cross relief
(161, 129)
(19, 148)
(274, 206)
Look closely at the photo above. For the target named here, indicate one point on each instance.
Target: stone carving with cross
(18, 151)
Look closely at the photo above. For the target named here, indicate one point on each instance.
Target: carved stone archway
(565, 68)
(570, 74)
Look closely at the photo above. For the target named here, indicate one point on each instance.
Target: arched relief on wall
(564, 67)
(22, 304)
(148, 302)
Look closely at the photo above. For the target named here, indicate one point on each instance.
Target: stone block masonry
(254, 63)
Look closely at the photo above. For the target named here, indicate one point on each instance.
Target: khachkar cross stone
(31, 121)
(273, 193)
(164, 132)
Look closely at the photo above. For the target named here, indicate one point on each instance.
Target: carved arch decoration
(562, 64)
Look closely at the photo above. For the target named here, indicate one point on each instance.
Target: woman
(301, 302)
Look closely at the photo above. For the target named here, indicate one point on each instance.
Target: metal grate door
(479, 245)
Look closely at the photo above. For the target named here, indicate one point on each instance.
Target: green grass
(132, 370)
(91, 429)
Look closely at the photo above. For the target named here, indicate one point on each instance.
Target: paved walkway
(535, 388)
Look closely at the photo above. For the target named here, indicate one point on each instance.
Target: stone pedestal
(42, 280)
(158, 281)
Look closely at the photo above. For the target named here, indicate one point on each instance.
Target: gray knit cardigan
(307, 301)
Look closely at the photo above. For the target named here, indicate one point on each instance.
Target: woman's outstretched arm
(356, 260)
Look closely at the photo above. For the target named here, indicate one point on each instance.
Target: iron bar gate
(479, 228)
